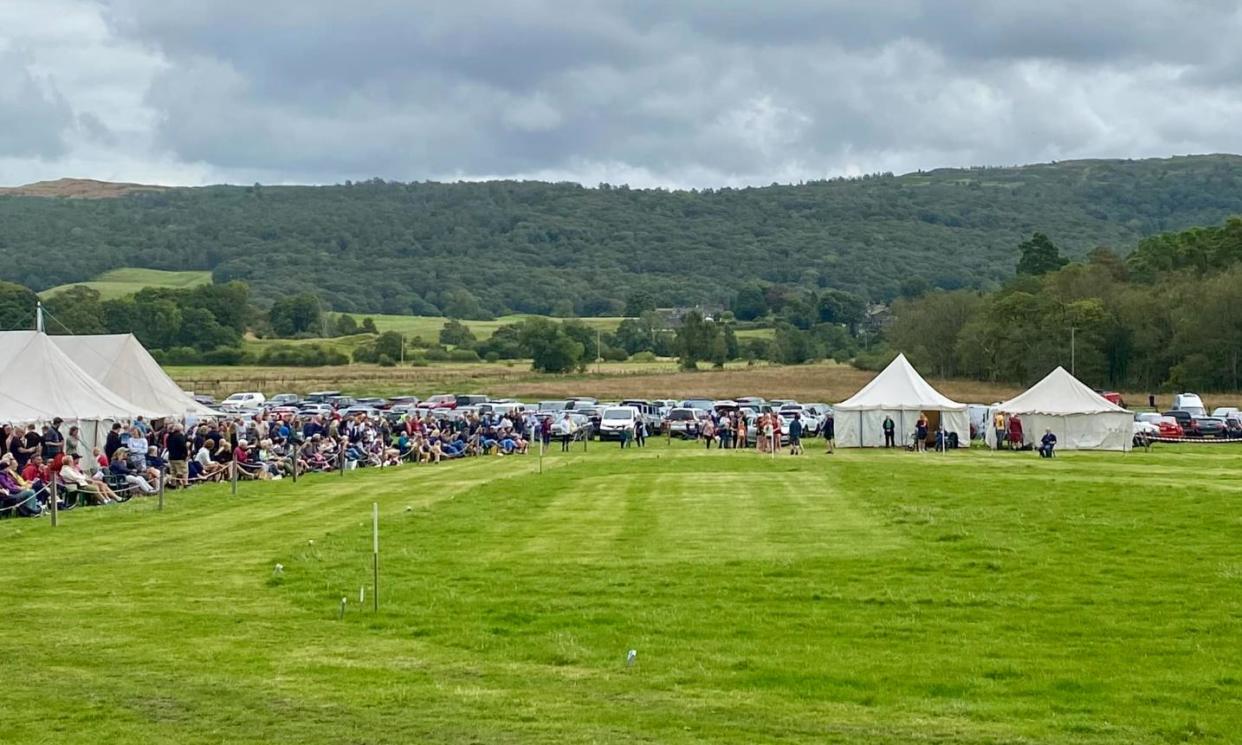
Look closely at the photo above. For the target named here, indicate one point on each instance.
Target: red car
(1168, 426)
(441, 401)
(1112, 397)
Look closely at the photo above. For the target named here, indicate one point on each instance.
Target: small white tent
(1080, 418)
(121, 363)
(39, 382)
(901, 393)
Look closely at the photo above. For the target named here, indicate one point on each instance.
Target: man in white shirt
(565, 428)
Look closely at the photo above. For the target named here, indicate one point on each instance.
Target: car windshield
(617, 414)
(680, 415)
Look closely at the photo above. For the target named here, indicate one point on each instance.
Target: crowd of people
(143, 457)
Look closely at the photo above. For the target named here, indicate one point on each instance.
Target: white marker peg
(631, 657)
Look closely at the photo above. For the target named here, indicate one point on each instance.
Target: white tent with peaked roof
(898, 391)
(1080, 418)
(121, 363)
(39, 382)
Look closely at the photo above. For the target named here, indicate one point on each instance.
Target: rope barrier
(1195, 440)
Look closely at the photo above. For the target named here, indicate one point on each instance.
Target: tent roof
(899, 386)
(1059, 393)
(38, 382)
(121, 363)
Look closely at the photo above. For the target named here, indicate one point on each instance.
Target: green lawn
(121, 282)
(863, 597)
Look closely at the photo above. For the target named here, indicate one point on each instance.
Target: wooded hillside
(467, 249)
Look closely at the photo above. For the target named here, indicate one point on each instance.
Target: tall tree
(639, 302)
(1039, 256)
(552, 350)
(17, 306)
(296, 314)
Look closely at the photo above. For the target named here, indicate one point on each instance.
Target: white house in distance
(1080, 418)
(898, 391)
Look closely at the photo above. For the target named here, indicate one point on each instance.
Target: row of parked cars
(599, 420)
(1189, 418)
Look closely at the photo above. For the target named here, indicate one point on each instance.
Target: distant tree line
(1165, 317)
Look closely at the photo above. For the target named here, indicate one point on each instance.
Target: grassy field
(121, 282)
(864, 597)
(428, 327)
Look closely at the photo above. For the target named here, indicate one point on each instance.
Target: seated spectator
(35, 470)
(72, 477)
(14, 497)
(1047, 444)
(120, 470)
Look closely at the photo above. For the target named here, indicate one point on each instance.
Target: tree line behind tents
(1165, 317)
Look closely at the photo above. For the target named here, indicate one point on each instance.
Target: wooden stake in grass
(375, 554)
(163, 478)
(233, 475)
(55, 514)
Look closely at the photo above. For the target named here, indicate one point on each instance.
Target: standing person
(830, 433)
(640, 433)
(138, 449)
(920, 433)
(113, 441)
(13, 445)
(709, 432)
(53, 440)
(565, 428)
(723, 431)
(739, 430)
(178, 456)
(795, 435)
(998, 424)
(74, 444)
(545, 431)
(32, 445)
(771, 432)
(889, 429)
(1016, 439)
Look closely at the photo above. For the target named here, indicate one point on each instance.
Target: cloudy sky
(645, 92)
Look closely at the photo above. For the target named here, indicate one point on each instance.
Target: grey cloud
(36, 117)
(697, 92)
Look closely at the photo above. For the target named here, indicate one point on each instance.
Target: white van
(249, 400)
(615, 420)
(1189, 402)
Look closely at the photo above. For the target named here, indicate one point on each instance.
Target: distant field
(826, 382)
(428, 327)
(865, 597)
(121, 282)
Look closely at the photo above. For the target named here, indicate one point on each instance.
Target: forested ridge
(492, 247)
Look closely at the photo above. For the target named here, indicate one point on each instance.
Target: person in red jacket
(1015, 433)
